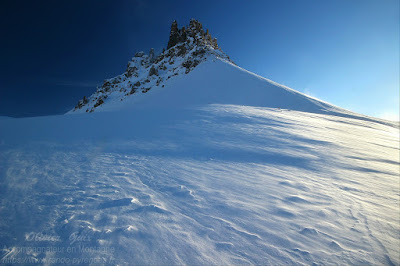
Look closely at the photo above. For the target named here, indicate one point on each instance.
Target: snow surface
(218, 167)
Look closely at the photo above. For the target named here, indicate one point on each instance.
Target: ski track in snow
(226, 185)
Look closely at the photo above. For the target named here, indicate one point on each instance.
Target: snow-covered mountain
(215, 165)
(187, 48)
(170, 76)
(195, 71)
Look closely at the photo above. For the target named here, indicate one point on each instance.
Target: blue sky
(343, 52)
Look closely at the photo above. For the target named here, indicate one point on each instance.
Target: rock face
(187, 47)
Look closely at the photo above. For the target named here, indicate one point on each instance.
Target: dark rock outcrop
(99, 102)
(153, 71)
(195, 31)
(139, 54)
(81, 103)
(174, 35)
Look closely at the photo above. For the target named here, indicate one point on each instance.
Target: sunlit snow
(218, 167)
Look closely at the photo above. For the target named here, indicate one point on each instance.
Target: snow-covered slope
(213, 184)
(215, 165)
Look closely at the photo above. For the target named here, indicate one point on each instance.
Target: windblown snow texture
(216, 184)
(219, 166)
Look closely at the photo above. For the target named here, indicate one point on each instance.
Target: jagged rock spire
(194, 30)
(174, 35)
(152, 55)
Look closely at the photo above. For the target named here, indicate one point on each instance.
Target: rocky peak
(174, 35)
(193, 33)
(187, 47)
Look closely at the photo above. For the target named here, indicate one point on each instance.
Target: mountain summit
(194, 71)
(187, 48)
(193, 32)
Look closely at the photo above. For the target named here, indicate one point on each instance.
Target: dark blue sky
(343, 52)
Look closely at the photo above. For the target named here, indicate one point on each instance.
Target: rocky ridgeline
(187, 47)
(195, 31)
